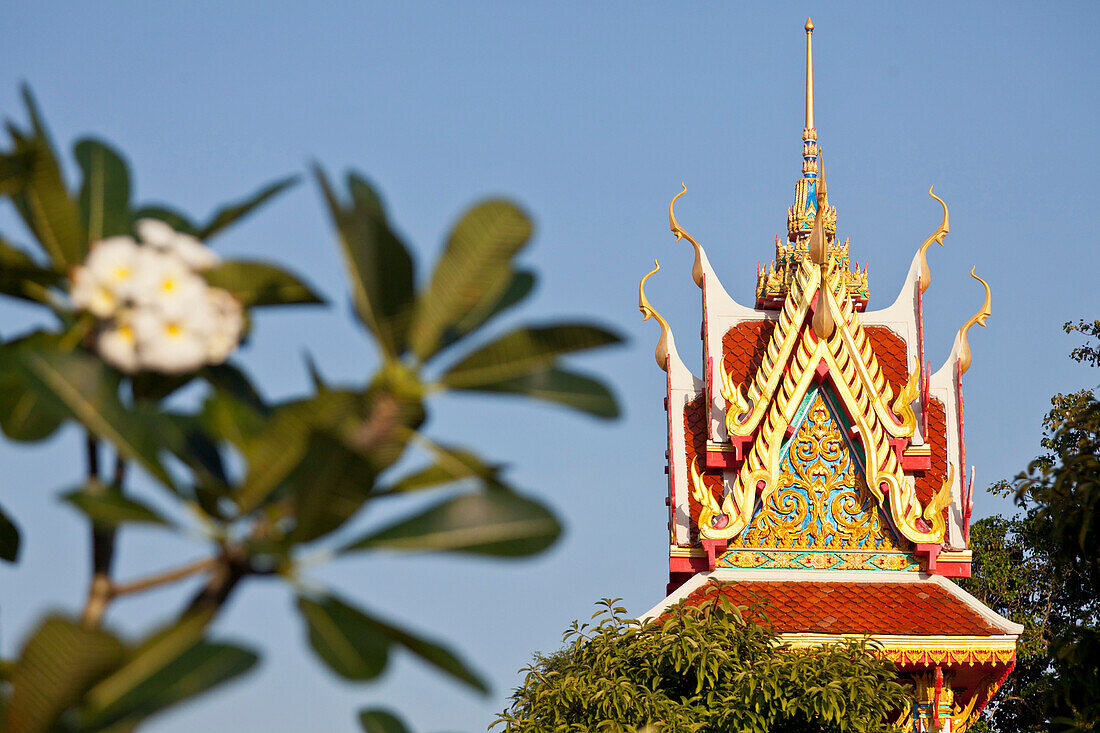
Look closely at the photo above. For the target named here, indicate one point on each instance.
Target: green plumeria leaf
(172, 665)
(345, 639)
(25, 413)
(108, 506)
(559, 386)
(378, 263)
(449, 465)
(377, 720)
(87, 391)
(510, 293)
(178, 221)
(21, 277)
(42, 201)
(59, 662)
(328, 487)
(105, 190)
(14, 168)
(231, 213)
(475, 267)
(259, 283)
(9, 538)
(231, 379)
(524, 351)
(497, 523)
(355, 645)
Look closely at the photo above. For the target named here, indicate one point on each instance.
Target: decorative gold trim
(648, 311)
(904, 642)
(964, 556)
(937, 236)
(983, 313)
(697, 268)
(678, 551)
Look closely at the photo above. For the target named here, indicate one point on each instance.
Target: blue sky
(590, 114)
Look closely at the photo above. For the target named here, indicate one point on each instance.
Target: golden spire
(809, 74)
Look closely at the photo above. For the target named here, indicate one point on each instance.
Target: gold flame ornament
(697, 268)
(983, 313)
(937, 236)
(648, 311)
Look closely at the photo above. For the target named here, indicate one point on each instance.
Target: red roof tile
(839, 607)
(743, 349)
(890, 351)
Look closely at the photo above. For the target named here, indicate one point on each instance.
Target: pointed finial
(809, 74)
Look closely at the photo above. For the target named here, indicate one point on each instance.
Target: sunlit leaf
(21, 277)
(42, 201)
(495, 523)
(475, 264)
(448, 465)
(105, 190)
(259, 284)
(346, 640)
(354, 644)
(59, 662)
(230, 379)
(171, 666)
(506, 295)
(328, 487)
(524, 351)
(561, 387)
(108, 506)
(237, 210)
(25, 413)
(87, 391)
(377, 720)
(379, 266)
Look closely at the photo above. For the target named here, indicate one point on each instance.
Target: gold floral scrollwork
(903, 405)
(821, 500)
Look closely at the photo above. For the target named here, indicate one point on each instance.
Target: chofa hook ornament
(697, 268)
(937, 236)
(979, 318)
(648, 311)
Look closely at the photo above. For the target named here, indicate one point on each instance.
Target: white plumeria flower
(164, 281)
(174, 343)
(228, 324)
(106, 280)
(117, 344)
(189, 249)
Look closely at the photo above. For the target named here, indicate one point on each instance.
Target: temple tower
(821, 465)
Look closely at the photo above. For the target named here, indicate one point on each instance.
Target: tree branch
(103, 541)
(163, 578)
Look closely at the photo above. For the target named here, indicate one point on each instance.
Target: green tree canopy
(1041, 567)
(701, 668)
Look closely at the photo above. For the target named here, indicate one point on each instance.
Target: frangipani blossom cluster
(156, 311)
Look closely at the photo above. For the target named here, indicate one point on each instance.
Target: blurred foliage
(267, 482)
(1041, 568)
(701, 668)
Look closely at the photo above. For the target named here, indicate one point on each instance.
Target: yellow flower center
(173, 329)
(122, 272)
(126, 333)
(168, 285)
